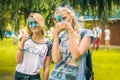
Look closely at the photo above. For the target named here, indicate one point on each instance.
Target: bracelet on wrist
(21, 49)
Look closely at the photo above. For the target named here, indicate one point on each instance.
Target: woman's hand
(24, 36)
(58, 28)
(67, 24)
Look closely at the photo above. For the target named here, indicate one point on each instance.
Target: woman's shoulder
(86, 32)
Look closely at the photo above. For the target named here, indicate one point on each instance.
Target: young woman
(34, 51)
(107, 37)
(70, 44)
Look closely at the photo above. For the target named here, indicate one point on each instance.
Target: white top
(107, 34)
(97, 32)
(34, 57)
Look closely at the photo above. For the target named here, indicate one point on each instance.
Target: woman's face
(66, 16)
(33, 25)
(61, 17)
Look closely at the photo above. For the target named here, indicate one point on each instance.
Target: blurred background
(13, 15)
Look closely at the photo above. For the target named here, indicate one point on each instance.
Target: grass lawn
(7, 59)
(105, 62)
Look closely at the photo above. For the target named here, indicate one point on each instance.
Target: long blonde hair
(39, 19)
(76, 25)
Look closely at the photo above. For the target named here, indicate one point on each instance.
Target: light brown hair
(39, 19)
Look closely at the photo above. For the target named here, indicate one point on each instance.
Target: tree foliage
(12, 11)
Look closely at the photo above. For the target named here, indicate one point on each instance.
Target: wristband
(21, 49)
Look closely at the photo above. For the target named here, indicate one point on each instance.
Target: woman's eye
(64, 18)
(30, 23)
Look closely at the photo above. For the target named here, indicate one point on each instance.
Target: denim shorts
(21, 76)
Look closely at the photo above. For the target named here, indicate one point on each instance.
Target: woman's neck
(38, 38)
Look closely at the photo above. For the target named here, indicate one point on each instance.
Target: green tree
(13, 11)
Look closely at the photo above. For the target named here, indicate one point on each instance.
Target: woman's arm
(20, 52)
(46, 68)
(78, 49)
(55, 49)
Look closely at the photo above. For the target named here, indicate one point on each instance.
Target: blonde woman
(34, 51)
(70, 45)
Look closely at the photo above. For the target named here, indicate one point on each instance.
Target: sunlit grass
(105, 62)
(7, 59)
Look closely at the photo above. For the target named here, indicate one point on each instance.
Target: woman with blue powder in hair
(34, 51)
(70, 44)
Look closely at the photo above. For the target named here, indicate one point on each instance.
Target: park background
(105, 62)
(13, 15)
